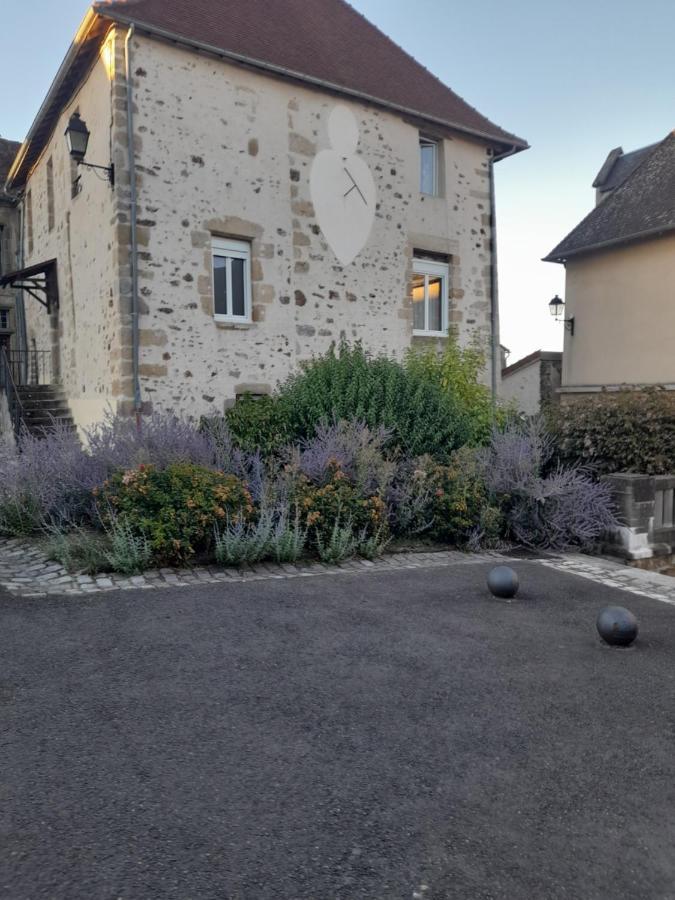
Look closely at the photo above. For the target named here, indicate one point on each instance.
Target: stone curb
(26, 572)
(617, 575)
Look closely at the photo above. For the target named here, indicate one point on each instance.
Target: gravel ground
(401, 735)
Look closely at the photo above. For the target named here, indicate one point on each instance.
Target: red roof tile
(321, 40)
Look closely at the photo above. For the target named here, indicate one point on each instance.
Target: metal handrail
(31, 367)
(8, 384)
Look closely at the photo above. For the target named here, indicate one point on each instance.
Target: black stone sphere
(503, 582)
(617, 626)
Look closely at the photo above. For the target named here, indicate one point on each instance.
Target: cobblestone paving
(25, 571)
(615, 574)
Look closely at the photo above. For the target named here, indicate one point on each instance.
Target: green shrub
(289, 539)
(175, 509)
(130, 552)
(338, 543)
(79, 550)
(337, 500)
(259, 423)
(457, 371)
(379, 392)
(463, 511)
(20, 514)
(371, 546)
(630, 431)
(242, 542)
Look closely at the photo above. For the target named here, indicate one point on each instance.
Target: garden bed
(354, 455)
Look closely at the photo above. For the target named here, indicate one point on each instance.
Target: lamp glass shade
(556, 307)
(77, 137)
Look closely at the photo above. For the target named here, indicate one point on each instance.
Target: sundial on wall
(343, 189)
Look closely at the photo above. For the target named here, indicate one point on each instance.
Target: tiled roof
(536, 357)
(643, 206)
(8, 150)
(323, 41)
(619, 166)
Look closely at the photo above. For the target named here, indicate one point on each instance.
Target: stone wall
(9, 252)
(83, 231)
(226, 151)
(646, 511)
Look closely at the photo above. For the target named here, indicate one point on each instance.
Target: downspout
(22, 334)
(494, 278)
(133, 209)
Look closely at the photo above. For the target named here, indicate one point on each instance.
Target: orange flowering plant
(338, 498)
(176, 508)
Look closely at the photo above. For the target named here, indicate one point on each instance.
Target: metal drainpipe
(19, 305)
(133, 207)
(494, 296)
(494, 282)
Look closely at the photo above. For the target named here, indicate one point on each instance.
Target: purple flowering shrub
(354, 448)
(547, 505)
(410, 497)
(50, 480)
(47, 480)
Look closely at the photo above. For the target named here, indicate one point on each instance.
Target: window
(2, 249)
(4, 320)
(50, 193)
(428, 166)
(231, 280)
(431, 282)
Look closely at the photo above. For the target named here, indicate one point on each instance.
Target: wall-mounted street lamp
(557, 309)
(77, 138)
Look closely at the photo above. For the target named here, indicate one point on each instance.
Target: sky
(574, 78)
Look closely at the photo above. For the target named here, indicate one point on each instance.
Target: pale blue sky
(574, 78)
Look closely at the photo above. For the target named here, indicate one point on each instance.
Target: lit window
(231, 280)
(428, 166)
(430, 297)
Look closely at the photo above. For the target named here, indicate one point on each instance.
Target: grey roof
(618, 166)
(8, 150)
(642, 206)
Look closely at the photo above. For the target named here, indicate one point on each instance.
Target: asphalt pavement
(385, 736)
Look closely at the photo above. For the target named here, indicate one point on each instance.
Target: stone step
(42, 430)
(61, 422)
(39, 388)
(39, 396)
(53, 409)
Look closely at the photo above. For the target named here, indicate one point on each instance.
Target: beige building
(270, 197)
(620, 271)
(532, 383)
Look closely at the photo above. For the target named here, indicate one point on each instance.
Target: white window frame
(431, 269)
(435, 145)
(229, 250)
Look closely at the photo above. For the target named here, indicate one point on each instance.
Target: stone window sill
(234, 326)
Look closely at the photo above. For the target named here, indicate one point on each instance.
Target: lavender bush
(47, 480)
(547, 506)
(50, 480)
(410, 497)
(358, 451)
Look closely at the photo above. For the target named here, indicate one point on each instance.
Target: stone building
(620, 278)
(9, 247)
(284, 176)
